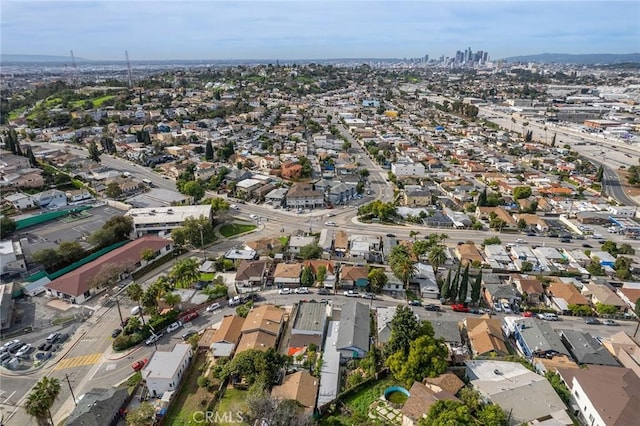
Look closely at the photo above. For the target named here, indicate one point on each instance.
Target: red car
(527, 314)
(137, 366)
(189, 317)
(459, 307)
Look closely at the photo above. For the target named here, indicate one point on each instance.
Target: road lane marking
(78, 361)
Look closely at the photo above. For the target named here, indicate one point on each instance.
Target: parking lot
(78, 229)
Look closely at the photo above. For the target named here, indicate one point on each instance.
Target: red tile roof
(78, 281)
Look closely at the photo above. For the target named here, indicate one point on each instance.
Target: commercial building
(161, 220)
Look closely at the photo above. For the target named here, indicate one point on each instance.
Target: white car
(213, 307)
(253, 216)
(154, 338)
(301, 290)
(235, 300)
(10, 343)
(234, 207)
(351, 293)
(506, 308)
(284, 291)
(329, 223)
(173, 327)
(24, 350)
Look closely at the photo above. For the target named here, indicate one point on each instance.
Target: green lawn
(97, 102)
(361, 400)
(207, 276)
(231, 402)
(231, 229)
(189, 397)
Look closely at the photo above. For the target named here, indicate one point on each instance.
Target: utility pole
(66, 376)
(204, 257)
(119, 311)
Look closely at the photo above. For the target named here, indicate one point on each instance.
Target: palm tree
(413, 234)
(135, 293)
(172, 299)
(437, 257)
(41, 399)
(404, 269)
(185, 272)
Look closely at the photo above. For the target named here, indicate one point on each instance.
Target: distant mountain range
(583, 59)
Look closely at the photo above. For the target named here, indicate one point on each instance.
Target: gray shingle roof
(354, 326)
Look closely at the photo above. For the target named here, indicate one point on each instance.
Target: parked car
(25, 349)
(115, 333)
(527, 314)
(6, 346)
(284, 291)
(351, 293)
(301, 290)
(154, 338)
(368, 296)
(329, 223)
(592, 321)
(138, 365)
(174, 326)
(433, 308)
(609, 322)
(506, 308)
(188, 334)
(459, 307)
(585, 245)
(189, 317)
(324, 292)
(415, 302)
(234, 301)
(213, 307)
(53, 337)
(547, 316)
(391, 235)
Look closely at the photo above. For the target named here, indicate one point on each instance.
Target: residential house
(261, 328)
(585, 349)
(606, 259)
(301, 387)
(420, 400)
(99, 407)
(341, 243)
(469, 253)
(330, 273)
(363, 245)
(600, 293)
(265, 246)
(165, 370)
(246, 187)
(52, 198)
(303, 195)
(536, 338)
(604, 395)
(287, 275)
(495, 294)
(325, 241)
(417, 198)
(290, 169)
(562, 295)
(297, 242)
(341, 192)
(625, 349)
(277, 196)
(533, 221)
(485, 336)
(531, 290)
(384, 315)
(525, 395)
(629, 293)
(354, 277)
(12, 260)
(21, 201)
(227, 336)
(354, 333)
(75, 286)
(425, 279)
(251, 273)
(309, 325)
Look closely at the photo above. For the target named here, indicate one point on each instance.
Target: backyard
(231, 229)
(231, 403)
(190, 397)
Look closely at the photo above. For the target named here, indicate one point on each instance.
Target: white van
(548, 316)
(135, 310)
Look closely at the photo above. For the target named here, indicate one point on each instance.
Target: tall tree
(446, 286)
(427, 357)
(307, 278)
(553, 140)
(464, 285)
(476, 287)
(437, 257)
(321, 275)
(94, 152)
(185, 272)
(377, 280)
(447, 412)
(208, 151)
(41, 399)
(482, 198)
(31, 157)
(453, 290)
(404, 329)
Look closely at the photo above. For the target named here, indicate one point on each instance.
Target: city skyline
(157, 30)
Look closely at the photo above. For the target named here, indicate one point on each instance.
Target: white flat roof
(163, 365)
(149, 215)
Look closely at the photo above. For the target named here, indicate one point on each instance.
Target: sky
(303, 29)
